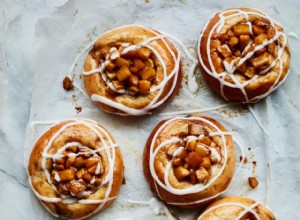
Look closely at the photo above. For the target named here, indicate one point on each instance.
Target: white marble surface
(23, 26)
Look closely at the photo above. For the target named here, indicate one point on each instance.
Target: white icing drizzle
(109, 150)
(293, 35)
(157, 206)
(174, 73)
(197, 187)
(34, 123)
(247, 209)
(262, 127)
(192, 83)
(230, 68)
(186, 112)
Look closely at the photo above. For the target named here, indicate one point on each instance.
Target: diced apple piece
(250, 72)
(271, 32)
(257, 30)
(147, 73)
(133, 90)
(118, 85)
(73, 149)
(87, 177)
(206, 163)
(205, 140)
(233, 41)
(80, 173)
(261, 60)
(177, 162)
(144, 53)
(260, 39)
(91, 161)
(193, 176)
(138, 63)
(78, 187)
(260, 23)
(225, 51)
(70, 162)
(92, 170)
(170, 150)
(121, 62)
(144, 86)
(181, 173)
(123, 73)
(191, 144)
(193, 160)
(66, 175)
(195, 129)
(78, 163)
(134, 70)
(202, 174)
(242, 68)
(110, 66)
(244, 41)
(241, 29)
(202, 150)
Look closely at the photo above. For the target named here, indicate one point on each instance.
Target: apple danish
(244, 54)
(189, 161)
(75, 169)
(132, 70)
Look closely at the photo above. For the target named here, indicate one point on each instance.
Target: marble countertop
(18, 55)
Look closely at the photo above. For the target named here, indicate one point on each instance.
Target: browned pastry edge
(218, 186)
(92, 82)
(256, 88)
(229, 212)
(40, 184)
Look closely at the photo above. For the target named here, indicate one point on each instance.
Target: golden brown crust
(258, 88)
(95, 84)
(171, 130)
(229, 212)
(39, 183)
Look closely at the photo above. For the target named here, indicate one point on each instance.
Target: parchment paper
(61, 36)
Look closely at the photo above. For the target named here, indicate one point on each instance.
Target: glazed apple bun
(244, 54)
(189, 161)
(132, 70)
(75, 169)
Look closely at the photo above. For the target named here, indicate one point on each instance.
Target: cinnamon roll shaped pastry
(189, 161)
(237, 208)
(132, 70)
(75, 169)
(244, 54)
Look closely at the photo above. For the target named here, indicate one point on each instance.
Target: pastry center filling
(195, 155)
(77, 171)
(126, 68)
(246, 49)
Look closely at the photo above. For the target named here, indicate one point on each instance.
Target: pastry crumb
(67, 83)
(253, 182)
(78, 109)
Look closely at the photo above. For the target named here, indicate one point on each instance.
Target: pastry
(244, 54)
(235, 207)
(189, 161)
(75, 169)
(132, 70)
